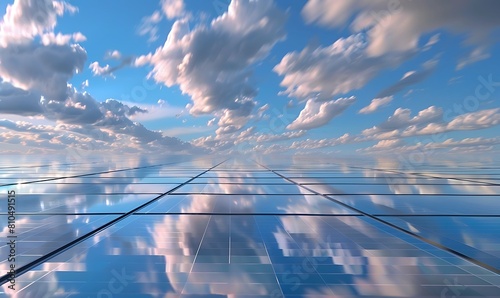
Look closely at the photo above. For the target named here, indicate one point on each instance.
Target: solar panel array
(248, 228)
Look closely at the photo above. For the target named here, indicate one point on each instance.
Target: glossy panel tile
(292, 256)
(76, 203)
(242, 189)
(422, 204)
(246, 204)
(241, 230)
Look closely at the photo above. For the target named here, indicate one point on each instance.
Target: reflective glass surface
(250, 228)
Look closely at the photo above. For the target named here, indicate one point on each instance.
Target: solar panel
(241, 228)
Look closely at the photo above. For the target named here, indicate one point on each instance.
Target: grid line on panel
(243, 214)
(429, 241)
(336, 194)
(426, 175)
(259, 213)
(88, 174)
(78, 240)
(198, 250)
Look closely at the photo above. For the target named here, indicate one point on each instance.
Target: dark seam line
(69, 245)
(115, 183)
(434, 243)
(423, 175)
(329, 194)
(463, 179)
(254, 213)
(413, 184)
(413, 194)
(58, 213)
(436, 215)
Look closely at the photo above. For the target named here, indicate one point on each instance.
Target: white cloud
(476, 55)
(98, 70)
(325, 72)
(396, 27)
(375, 104)
(78, 37)
(173, 8)
(149, 26)
(387, 144)
(465, 145)
(61, 39)
(401, 119)
(469, 121)
(316, 114)
(113, 55)
(430, 121)
(34, 83)
(211, 64)
(25, 19)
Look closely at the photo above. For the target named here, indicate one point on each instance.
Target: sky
(250, 76)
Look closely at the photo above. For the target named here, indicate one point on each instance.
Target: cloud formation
(25, 19)
(211, 64)
(316, 114)
(396, 27)
(173, 8)
(375, 104)
(324, 72)
(430, 121)
(45, 69)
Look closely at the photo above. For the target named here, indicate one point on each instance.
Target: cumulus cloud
(34, 82)
(375, 104)
(465, 145)
(212, 64)
(234, 120)
(62, 39)
(316, 114)
(430, 121)
(469, 121)
(324, 72)
(45, 69)
(395, 27)
(107, 123)
(25, 19)
(402, 119)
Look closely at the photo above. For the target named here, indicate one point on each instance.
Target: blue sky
(371, 77)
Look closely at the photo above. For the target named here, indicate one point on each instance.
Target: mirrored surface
(252, 228)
